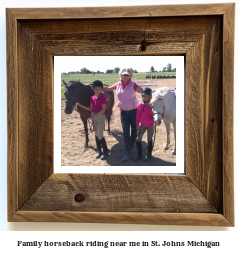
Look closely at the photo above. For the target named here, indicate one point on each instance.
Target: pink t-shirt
(144, 115)
(97, 103)
(124, 86)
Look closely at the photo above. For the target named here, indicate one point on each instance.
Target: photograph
(112, 115)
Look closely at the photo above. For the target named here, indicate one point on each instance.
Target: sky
(104, 63)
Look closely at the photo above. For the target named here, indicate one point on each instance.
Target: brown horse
(75, 92)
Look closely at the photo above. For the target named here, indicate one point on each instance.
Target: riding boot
(139, 152)
(105, 149)
(149, 151)
(98, 143)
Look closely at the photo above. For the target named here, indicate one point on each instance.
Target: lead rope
(154, 134)
(91, 126)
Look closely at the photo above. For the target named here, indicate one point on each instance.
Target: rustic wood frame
(204, 34)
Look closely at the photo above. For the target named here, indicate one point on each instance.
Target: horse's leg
(86, 132)
(109, 113)
(167, 126)
(108, 123)
(174, 150)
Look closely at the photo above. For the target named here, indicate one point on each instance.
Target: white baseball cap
(125, 72)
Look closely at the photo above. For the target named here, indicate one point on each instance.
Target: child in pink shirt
(97, 107)
(145, 117)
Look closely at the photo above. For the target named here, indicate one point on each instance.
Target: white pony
(164, 107)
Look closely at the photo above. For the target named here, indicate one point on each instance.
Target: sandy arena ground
(73, 152)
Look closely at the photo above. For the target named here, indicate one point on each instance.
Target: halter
(158, 113)
(73, 105)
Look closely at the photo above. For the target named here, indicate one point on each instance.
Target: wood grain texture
(204, 115)
(117, 193)
(120, 11)
(12, 114)
(35, 93)
(59, 48)
(189, 26)
(191, 219)
(204, 196)
(119, 36)
(227, 113)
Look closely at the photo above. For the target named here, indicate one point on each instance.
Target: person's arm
(85, 107)
(100, 112)
(138, 116)
(139, 89)
(109, 88)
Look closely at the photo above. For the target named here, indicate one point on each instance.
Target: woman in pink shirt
(126, 91)
(97, 107)
(145, 117)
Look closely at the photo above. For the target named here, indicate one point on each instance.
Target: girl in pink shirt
(145, 117)
(97, 107)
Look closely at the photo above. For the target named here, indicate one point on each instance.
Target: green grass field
(107, 79)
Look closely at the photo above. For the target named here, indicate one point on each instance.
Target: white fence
(145, 80)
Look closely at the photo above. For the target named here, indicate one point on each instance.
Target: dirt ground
(73, 152)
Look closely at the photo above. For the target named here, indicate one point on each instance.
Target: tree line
(168, 68)
(84, 70)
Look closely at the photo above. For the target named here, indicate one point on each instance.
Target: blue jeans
(128, 122)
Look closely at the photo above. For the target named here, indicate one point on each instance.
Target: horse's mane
(85, 91)
(74, 83)
(160, 92)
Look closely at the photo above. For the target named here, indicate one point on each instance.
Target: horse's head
(71, 93)
(158, 108)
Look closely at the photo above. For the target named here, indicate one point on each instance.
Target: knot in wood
(79, 198)
(143, 45)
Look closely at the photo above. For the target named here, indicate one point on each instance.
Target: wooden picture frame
(204, 34)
